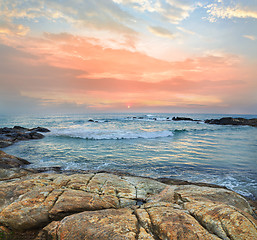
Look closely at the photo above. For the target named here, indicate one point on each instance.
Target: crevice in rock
(131, 185)
(117, 195)
(153, 228)
(48, 194)
(66, 184)
(101, 187)
(203, 225)
(139, 224)
(112, 206)
(90, 179)
(225, 230)
(140, 202)
(57, 198)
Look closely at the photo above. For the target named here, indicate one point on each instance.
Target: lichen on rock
(105, 206)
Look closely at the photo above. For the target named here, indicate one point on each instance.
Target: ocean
(149, 145)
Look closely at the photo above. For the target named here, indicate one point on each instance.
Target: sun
(128, 106)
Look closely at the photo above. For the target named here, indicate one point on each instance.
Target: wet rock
(183, 119)
(40, 129)
(11, 173)
(233, 121)
(10, 161)
(10, 135)
(5, 143)
(20, 128)
(171, 181)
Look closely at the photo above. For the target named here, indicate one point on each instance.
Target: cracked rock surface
(108, 206)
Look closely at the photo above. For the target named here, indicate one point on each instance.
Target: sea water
(149, 145)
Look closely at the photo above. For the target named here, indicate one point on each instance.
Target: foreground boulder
(10, 135)
(233, 121)
(108, 206)
(10, 161)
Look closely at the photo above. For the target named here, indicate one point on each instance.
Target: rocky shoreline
(233, 121)
(53, 204)
(9, 136)
(223, 121)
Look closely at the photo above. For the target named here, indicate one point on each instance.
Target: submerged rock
(233, 121)
(105, 206)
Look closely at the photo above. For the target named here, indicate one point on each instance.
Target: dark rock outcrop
(40, 129)
(10, 135)
(233, 121)
(10, 161)
(184, 119)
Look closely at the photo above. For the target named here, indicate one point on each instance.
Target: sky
(128, 56)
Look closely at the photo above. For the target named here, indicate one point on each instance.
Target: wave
(97, 134)
(180, 131)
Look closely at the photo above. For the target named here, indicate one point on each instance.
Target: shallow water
(147, 145)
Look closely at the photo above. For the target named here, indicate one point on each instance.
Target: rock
(11, 173)
(106, 206)
(189, 193)
(233, 121)
(20, 128)
(105, 225)
(40, 129)
(31, 210)
(10, 161)
(5, 233)
(184, 119)
(72, 201)
(10, 135)
(170, 223)
(223, 220)
(5, 143)
(171, 181)
(36, 135)
(5, 130)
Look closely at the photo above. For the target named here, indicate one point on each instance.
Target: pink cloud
(63, 68)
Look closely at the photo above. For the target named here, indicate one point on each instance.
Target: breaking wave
(97, 134)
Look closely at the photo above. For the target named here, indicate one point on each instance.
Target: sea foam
(100, 134)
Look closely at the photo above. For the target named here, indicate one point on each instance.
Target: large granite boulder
(109, 206)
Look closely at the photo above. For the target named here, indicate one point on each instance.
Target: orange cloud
(62, 68)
